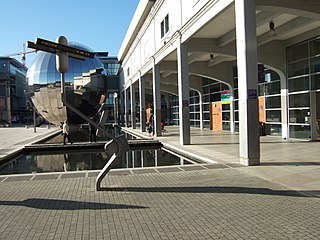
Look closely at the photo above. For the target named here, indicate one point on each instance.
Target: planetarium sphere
(45, 86)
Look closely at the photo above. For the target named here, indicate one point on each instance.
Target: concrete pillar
(284, 108)
(232, 118)
(142, 97)
(156, 99)
(313, 116)
(201, 110)
(126, 108)
(183, 92)
(133, 105)
(122, 109)
(248, 82)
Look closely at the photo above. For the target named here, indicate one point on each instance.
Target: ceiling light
(272, 32)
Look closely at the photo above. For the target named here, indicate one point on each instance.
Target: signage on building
(252, 94)
(225, 97)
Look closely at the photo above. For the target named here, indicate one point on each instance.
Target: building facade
(13, 86)
(225, 65)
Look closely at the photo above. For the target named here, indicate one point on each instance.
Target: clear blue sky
(98, 24)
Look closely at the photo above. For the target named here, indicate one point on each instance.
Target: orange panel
(216, 117)
(262, 109)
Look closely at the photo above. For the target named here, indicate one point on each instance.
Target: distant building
(13, 85)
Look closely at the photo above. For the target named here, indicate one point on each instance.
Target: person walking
(65, 132)
(92, 131)
(151, 125)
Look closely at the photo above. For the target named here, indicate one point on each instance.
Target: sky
(99, 24)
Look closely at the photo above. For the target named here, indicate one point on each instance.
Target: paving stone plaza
(210, 201)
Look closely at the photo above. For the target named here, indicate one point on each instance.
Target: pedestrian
(151, 125)
(65, 132)
(92, 131)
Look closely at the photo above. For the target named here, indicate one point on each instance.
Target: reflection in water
(80, 161)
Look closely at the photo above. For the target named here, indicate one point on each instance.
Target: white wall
(149, 41)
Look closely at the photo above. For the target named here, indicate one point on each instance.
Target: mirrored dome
(45, 86)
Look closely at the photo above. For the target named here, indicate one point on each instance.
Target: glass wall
(303, 66)
(212, 92)
(194, 108)
(269, 88)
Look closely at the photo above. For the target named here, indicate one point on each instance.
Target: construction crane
(23, 54)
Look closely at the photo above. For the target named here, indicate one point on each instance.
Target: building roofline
(15, 62)
(137, 21)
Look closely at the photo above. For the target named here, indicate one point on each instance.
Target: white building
(227, 64)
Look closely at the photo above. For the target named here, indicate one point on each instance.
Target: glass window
(298, 68)
(272, 88)
(224, 87)
(297, 52)
(166, 20)
(273, 115)
(298, 84)
(261, 89)
(236, 105)
(215, 97)
(315, 82)
(206, 107)
(315, 47)
(214, 88)
(236, 94)
(299, 131)
(225, 107)
(162, 29)
(273, 102)
(206, 116)
(299, 116)
(206, 98)
(299, 100)
(206, 124)
(315, 65)
(206, 89)
(236, 116)
(226, 116)
(226, 126)
(273, 129)
(271, 75)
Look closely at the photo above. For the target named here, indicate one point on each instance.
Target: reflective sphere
(45, 87)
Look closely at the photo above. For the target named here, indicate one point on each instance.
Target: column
(313, 116)
(122, 106)
(201, 110)
(133, 105)
(284, 108)
(183, 91)
(232, 118)
(126, 109)
(249, 138)
(142, 97)
(156, 99)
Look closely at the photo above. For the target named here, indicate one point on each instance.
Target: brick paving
(221, 203)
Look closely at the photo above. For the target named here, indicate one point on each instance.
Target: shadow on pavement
(290, 164)
(244, 190)
(56, 204)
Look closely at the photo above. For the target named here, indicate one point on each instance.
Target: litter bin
(262, 129)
